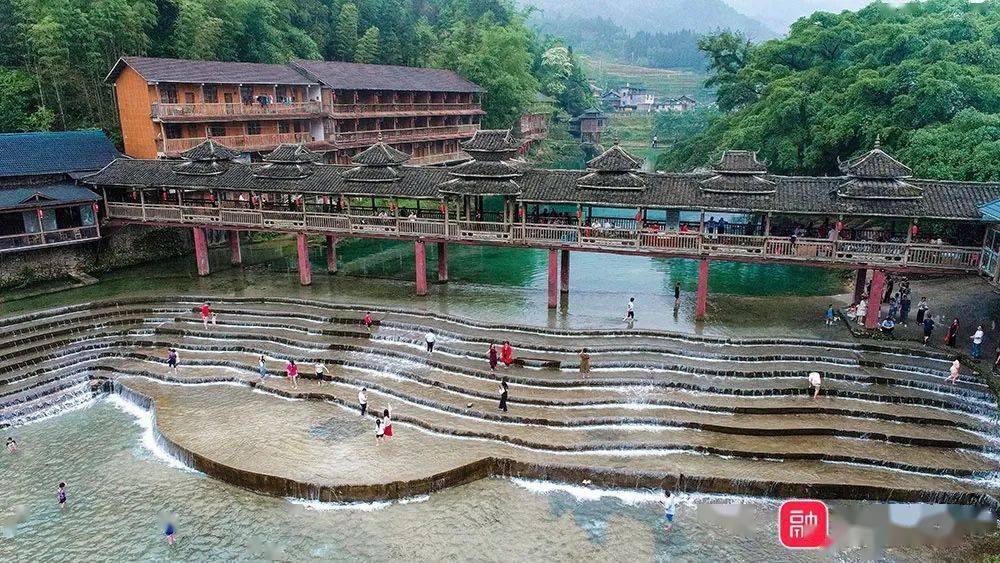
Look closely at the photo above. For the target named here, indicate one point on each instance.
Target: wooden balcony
(236, 111)
(28, 241)
(817, 252)
(438, 132)
(351, 111)
(249, 143)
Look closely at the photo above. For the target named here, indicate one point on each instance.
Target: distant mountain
(662, 16)
(779, 15)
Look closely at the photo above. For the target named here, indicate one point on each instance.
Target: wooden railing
(222, 110)
(25, 241)
(364, 222)
(361, 108)
(409, 134)
(238, 142)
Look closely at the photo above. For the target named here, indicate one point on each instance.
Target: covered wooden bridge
(875, 216)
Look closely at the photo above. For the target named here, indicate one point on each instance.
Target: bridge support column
(701, 301)
(201, 250)
(305, 267)
(553, 278)
(235, 252)
(331, 254)
(875, 299)
(564, 271)
(442, 262)
(420, 253)
(859, 285)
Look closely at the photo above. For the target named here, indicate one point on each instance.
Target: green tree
(368, 46)
(921, 76)
(346, 37)
(20, 109)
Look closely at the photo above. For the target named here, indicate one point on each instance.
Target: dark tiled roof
(612, 180)
(461, 186)
(357, 76)
(380, 154)
(615, 159)
(210, 72)
(14, 196)
(201, 167)
(209, 150)
(485, 169)
(491, 144)
(283, 170)
(805, 195)
(738, 184)
(875, 164)
(62, 152)
(740, 162)
(870, 188)
(372, 174)
(291, 153)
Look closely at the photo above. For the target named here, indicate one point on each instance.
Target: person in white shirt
(815, 380)
(320, 370)
(977, 342)
(630, 311)
(363, 400)
(429, 338)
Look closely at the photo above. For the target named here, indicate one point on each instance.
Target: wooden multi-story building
(168, 106)
(41, 204)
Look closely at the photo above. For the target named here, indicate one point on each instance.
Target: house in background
(41, 204)
(636, 98)
(168, 106)
(534, 124)
(589, 125)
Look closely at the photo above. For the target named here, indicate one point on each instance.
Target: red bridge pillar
(701, 301)
(564, 271)
(859, 285)
(235, 252)
(553, 278)
(305, 267)
(442, 262)
(875, 299)
(201, 250)
(331, 254)
(420, 253)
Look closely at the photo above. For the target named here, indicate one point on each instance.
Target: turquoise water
(121, 491)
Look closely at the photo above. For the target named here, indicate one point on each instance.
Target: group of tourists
(505, 355)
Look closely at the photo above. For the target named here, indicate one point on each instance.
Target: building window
(168, 93)
(284, 127)
(217, 130)
(174, 131)
(188, 97)
(281, 92)
(211, 94)
(253, 128)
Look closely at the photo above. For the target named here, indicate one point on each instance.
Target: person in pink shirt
(293, 373)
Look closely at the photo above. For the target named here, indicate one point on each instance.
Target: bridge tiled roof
(791, 194)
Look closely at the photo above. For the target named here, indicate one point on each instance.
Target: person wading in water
(503, 394)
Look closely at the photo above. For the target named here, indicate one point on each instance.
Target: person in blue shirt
(887, 326)
(829, 316)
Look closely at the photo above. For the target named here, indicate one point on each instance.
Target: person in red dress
(506, 354)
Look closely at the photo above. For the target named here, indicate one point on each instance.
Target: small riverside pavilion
(41, 203)
(875, 217)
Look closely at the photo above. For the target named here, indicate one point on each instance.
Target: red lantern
(638, 215)
(164, 194)
(133, 196)
(443, 208)
(97, 208)
(520, 212)
(211, 197)
(914, 230)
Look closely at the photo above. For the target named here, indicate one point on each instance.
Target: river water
(121, 489)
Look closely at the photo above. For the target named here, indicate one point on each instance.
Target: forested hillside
(54, 54)
(923, 77)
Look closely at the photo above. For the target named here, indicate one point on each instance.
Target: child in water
(669, 510)
(61, 495)
(11, 445)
